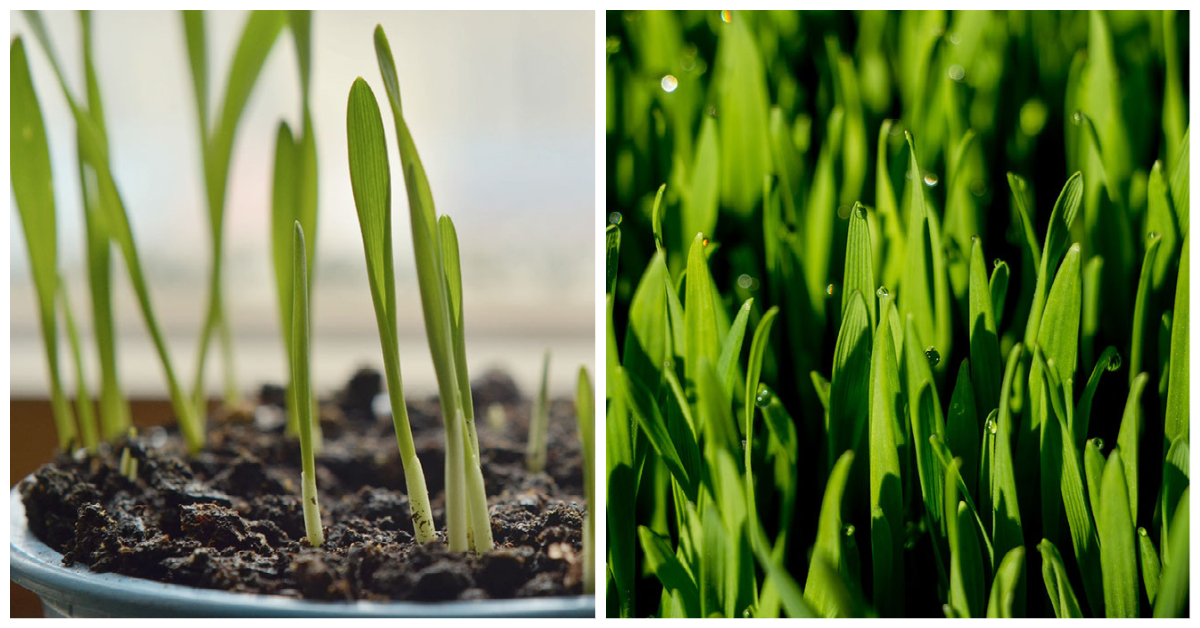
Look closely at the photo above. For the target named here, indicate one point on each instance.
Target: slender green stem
(535, 447)
(301, 387)
(83, 399)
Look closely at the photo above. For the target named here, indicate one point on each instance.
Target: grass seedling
(29, 156)
(909, 387)
(301, 390)
(294, 196)
(438, 280)
(584, 410)
(216, 142)
(370, 180)
(128, 465)
(539, 421)
(94, 155)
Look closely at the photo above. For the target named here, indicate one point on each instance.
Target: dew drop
(882, 292)
(1098, 443)
(860, 209)
(669, 83)
(848, 529)
(746, 613)
(954, 38)
(931, 179)
(727, 16)
(843, 211)
(705, 243)
(1114, 363)
(829, 290)
(763, 399)
(743, 444)
(1153, 236)
(957, 72)
(931, 354)
(991, 426)
(712, 111)
(745, 281)
(614, 218)
(1077, 117)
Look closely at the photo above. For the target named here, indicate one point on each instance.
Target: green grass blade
(584, 415)
(33, 190)
(88, 430)
(1129, 440)
(1058, 586)
(1006, 526)
(283, 203)
(1008, 587)
(925, 414)
(193, 30)
(859, 274)
(962, 425)
(889, 214)
(1057, 233)
(650, 420)
(1093, 468)
(998, 286)
(849, 389)
(1140, 302)
(700, 210)
(662, 562)
(819, 589)
(985, 346)
(1160, 220)
(1177, 412)
(745, 157)
(1173, 588)
(302, 389)
(1175, 482)
(731, 347)
(1179, 185)
(700, 326)
(370, 181)
(1150, 567)
(648, 335)
(1109, 360)
(886, 412)
(917, 284)
(1118, 556)
(539, 422)
(966, 566)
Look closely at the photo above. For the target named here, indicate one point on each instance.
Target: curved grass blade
(662, 562)
(731, 347)
(945, 458)
(650, 420)
(889, 214)
(1177, 411)
(1140, 303)
(648, 339)
(820, 588)
(1129, 440)
(917, 285)
(33, 190)
(1175, 482)
(1058, 586)
(1061, 218)
(1109, 360)
(1093, 467)
(370, 181)
(1179, 186)
(1118, 556)
(998, 286)
(1173, 587)
(745, 156)
(1151, 568)
(1007, 598)
(1160, 221)
(966, 567)
(758, 346)
(700, 208)
(985, 346)
(925, 415)
(700, 326)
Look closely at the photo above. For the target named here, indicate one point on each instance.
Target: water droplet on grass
(669, 83)
(712, 111)
(705, 243)
(931, 179)
(882, 292)
(1153, 236)
(763, 399)
(1098, 442)
(614, 218)
(744, 281)
(843, 211)
(727, 16)
(1114, 363)
(991, 426)
(830, 289)
(957, 72)
(978, 188)
(860, 209)
(848, 529)
(931, 354)
(1077, 117)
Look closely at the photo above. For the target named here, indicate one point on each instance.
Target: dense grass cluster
(897, 314)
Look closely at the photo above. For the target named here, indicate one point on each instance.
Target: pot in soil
(222, 533)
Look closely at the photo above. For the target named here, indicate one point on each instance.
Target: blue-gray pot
(77, 592)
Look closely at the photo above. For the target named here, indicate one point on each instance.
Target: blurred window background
(502, 108)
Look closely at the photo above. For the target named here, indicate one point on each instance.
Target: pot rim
(38, 567)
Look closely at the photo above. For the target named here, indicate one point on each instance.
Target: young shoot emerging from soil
(539, 422)
(301, 395)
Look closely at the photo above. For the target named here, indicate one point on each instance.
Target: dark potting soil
(231, 518)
